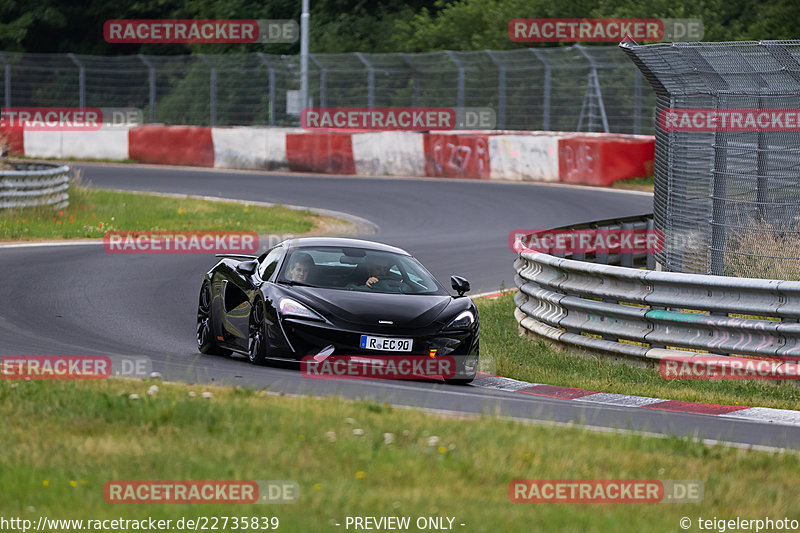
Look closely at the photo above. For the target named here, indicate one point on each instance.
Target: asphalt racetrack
(79, 300)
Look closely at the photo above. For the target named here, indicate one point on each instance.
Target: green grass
(62, 441)
(527, 360)
(636, 184)
(92, 212)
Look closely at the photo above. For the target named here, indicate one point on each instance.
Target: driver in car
(377, 270)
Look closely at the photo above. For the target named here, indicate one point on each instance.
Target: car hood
(367, 309)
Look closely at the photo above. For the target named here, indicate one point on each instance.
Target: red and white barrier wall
(588, 158)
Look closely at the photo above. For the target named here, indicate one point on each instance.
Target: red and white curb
(741, 412)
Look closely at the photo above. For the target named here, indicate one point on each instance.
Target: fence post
(212, 89)
(789, 65)
(637, 103)
(271, 70)
(415, 94)
(718, 201)
(592, 92)
(6, 80)
(151, 74)
(501, 90)
(323, 81)
(81, 80)
(461, 80)
(305, 22)
(370, 79)
(761, 171)
(546, 90)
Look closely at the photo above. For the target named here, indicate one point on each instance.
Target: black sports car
(322, 297)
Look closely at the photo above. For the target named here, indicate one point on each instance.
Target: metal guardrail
(594, 304)
(34, 184)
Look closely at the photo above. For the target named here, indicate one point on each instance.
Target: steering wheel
(388, 285)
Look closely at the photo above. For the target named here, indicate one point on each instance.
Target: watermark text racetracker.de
(73, 366)
(181, 242)
(201, 492)
(68, 118)
(566, 241)
(744, 120)
(718, 368)
(163, 31)
(605, 491)
(393, 366)
(398, 118)
(604, 30)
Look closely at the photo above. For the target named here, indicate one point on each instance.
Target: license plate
(385, 344)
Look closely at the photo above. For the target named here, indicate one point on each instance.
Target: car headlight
(289, 307)
(463, 320)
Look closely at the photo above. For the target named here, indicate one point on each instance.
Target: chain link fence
(727, 198)
(577, 88)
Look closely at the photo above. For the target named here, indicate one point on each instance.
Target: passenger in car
(300, 266)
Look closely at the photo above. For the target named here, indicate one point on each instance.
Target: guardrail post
(81, 80)
(600, 257)
(626, 259)
(651, 257)
(212, 89)
(151, 76)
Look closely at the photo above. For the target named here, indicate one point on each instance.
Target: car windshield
(357, 269)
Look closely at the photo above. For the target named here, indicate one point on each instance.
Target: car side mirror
(248, 268)
(459, 284)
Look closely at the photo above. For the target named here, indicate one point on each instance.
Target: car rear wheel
(205, 325)
(257, 354)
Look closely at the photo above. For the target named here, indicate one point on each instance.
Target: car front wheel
(466, 369)
(257, 353)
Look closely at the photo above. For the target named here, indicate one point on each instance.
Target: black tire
(460, 381)
(206, 342)
(464, 380)
(257, 353)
